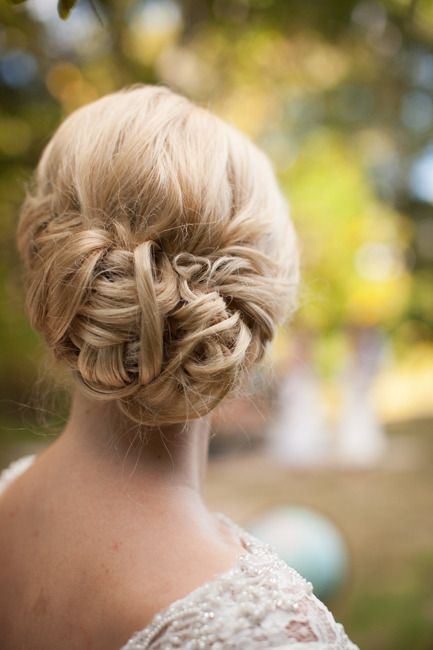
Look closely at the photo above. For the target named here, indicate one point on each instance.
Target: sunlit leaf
(64, 8)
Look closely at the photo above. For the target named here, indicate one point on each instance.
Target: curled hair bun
(158, 252)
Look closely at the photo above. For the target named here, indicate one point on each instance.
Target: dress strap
(248, 541)
(14, 470)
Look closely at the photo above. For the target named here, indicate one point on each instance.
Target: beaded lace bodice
(258, 604)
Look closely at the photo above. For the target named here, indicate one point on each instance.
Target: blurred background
(328, 453)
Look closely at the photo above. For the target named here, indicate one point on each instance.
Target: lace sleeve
(258, 605)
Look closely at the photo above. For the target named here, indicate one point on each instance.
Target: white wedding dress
(258, 604)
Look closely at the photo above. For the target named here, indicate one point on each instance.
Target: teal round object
(307, 541)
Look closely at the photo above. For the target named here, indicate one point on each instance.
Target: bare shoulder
(79, 569)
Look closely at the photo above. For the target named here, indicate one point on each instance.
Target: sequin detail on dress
(259, 604)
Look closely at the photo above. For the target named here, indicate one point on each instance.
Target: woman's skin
(105, 530)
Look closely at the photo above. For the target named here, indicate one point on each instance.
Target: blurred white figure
(360, 440)
(298, 436)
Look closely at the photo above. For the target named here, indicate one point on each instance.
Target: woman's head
(158, 251)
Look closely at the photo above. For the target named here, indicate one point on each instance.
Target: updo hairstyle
(158, 252)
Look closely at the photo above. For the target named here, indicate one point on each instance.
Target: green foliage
(337, 93)
(64, 7)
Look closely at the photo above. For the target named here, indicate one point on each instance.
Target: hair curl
(158, 251)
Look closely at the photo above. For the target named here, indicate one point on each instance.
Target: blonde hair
(158, 251)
